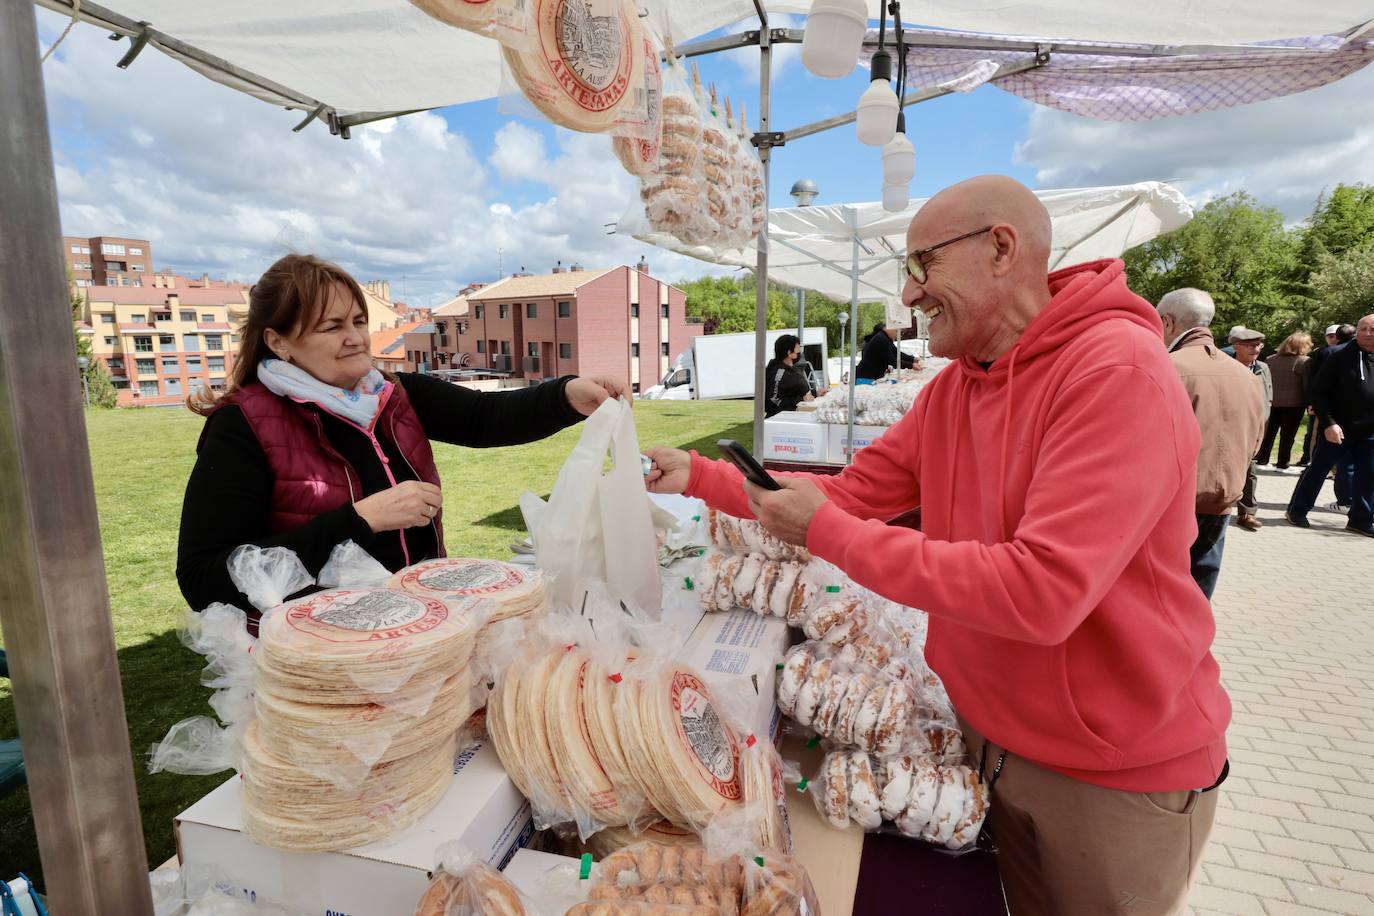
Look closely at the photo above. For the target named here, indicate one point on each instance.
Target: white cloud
(218, 183)
(1283, 151)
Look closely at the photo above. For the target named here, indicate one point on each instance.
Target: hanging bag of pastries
(639, 131)
(464, 885)
(672, 192)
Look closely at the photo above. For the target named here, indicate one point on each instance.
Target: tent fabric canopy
(1133, 87)
(813, 247)
(386, 56)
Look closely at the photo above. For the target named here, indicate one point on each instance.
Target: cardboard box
(837, 438)
(738, 652)
(482, 809)
(793, 436)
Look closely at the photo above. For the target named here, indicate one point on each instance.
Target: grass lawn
(142, 459)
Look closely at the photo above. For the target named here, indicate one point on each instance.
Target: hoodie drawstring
(1002, 468)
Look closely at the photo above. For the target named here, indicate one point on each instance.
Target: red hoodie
(1056, 490)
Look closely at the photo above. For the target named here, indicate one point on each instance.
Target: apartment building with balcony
(161, 344)
(106, 260)
(619, 321)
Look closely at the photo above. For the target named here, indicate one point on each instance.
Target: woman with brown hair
(1288, 367)
(310, 446)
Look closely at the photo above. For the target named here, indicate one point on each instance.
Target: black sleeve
(1322, 392)
(482, 419)
(229, 503)
(908, 361)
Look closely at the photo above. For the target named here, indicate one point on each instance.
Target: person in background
(1343, 396)
(1230, 417)
(1345, 470)
(785, 385)
(1230, 348)
(310, 446)
(1307, 378)
(1288, 370)
(1247, 344)
(880, 353)
(1055, 465)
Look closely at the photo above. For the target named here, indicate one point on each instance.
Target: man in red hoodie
(1054, 463)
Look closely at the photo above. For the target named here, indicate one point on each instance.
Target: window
(143, 344)
(135, 282)
(110, 341)
(137, 251)
(121, 384)
(170, 362)
(173, 385)
(505, 348)
(216, 363)
(146, 366)
(207, 318)
(192, 344)
(634, 349)
(162, 316)
(83, 266)
(148, 388)
(534, 348)
(109, 248)
(107, 319)
(192, 364)
(663, 310)
(565, 351)
(503, 310)
(634, 388)
(663, 348)
(565, 310)
(188, 315)
(531, 310)
(114, 363)
(167, 343)
(139, 319)
(135, 266)
(114, 265)
(83, 283)
(481, 346)
(234, 339)
(80, 249)
(214, 342)
(634, 309)
(477, 312)
(216, 384)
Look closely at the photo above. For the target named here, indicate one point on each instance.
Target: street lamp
(82, 362)
(804, 191)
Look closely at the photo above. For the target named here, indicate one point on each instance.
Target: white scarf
(358, 406)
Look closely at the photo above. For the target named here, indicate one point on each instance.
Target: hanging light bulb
(878, 106)
(899, 156)
(834, 34)
(895, 197)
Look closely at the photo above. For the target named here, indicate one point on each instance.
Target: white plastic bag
(597, 525)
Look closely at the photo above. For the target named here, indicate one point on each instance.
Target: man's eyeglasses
(915, 263)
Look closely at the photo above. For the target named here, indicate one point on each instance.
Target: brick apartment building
(161, 343)
(620, 321)
(105, 260)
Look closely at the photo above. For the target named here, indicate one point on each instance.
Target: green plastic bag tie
(688, 584)
(586, 871)
(759, 861)
(801, 786)
(832, 589)
(696, 518)
(815, 740)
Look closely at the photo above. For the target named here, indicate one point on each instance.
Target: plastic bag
(685, 876)
(464, 885)
(199, 890)
(746, 535)
(268, 575)
(765, 799)
(349, 566)
(778, 885)
(597, 526)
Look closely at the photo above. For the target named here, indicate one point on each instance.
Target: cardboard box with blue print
(737, 652)
(482, 810)
(793, 436)
(837, 438)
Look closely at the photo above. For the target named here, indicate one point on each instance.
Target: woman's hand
(672, 468)
(406, 505)
(1334, 434)
(585, 395)
(809, 397)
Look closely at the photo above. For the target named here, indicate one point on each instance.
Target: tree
(97, 380)
(1236, 250)
(1343, 286)
(728, 304)
(1341, 222)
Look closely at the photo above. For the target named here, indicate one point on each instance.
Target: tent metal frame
(54, 603)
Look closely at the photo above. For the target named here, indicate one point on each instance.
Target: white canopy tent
(344, 62)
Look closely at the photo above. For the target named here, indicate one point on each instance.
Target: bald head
(986, 286)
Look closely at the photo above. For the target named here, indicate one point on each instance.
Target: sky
(219, 184)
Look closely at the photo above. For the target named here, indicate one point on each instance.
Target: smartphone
(749, 466)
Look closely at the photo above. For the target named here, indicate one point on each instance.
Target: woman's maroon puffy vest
(309, 476)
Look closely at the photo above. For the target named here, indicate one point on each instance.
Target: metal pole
(853, 348)
(761, 268)
(801, 319)
(53, 603)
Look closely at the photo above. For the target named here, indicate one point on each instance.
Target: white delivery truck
(722, 366)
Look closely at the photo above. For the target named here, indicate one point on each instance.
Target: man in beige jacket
(1229, 408)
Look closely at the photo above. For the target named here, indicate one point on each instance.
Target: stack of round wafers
(358, 694)
(506, 590)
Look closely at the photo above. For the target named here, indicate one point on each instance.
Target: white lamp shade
(895, 197)
(899, 160)
(834, 34)
(877, 109)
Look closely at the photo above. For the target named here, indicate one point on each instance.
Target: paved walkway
(1295, 640)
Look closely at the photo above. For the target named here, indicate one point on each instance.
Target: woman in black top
(785, 385)
(879, 354)
(306, 339)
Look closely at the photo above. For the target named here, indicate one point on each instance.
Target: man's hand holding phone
(786, 513)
